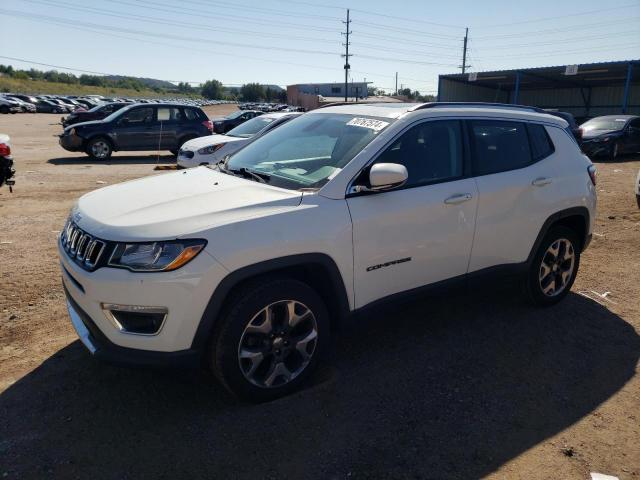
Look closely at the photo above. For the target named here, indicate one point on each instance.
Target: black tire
(99, 148)
(243, 309)
(4, 109)
(181, 142)
(614, 151)
(535, 285)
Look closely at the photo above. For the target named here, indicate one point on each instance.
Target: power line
(172, 22)
(16, 13)
(563, 40)
(558, 30)
(155, 6)
(555, 17)
(272, 11)
(405, 30)
(24, 60)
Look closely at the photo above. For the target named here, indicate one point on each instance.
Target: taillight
(209, 125)
(5, 150)
(580, 132)
(592, 173)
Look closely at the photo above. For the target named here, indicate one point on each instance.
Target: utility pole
(464, 51)
(346, 57)
(396, 83)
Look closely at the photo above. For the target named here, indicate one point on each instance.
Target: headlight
(210, 149)
(606, 139)
(156, 256)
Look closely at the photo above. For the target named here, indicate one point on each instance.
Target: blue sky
(296, 41)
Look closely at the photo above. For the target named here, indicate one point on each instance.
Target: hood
(91, 123)
(174, 205)
(598, 133)
(201, 142)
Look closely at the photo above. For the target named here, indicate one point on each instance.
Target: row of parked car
(270, 107)
(21, 103)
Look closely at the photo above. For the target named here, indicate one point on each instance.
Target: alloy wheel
(278, 344)
(557, 267)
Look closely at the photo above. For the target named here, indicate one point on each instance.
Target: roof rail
(479, 104)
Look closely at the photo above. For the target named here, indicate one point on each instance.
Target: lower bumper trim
(103, 349)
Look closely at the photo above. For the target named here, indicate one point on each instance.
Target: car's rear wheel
(554, 267)
(99, 148)
(269, 339)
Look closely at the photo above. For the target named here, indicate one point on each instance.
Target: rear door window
(169, 114)
(499, 146)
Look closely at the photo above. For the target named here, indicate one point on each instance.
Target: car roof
(396, 110)
(625, 117)
(279, 114)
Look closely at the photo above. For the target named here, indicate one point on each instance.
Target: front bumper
(185, 294)
(102, 348)
(594, 149)
(72, 143)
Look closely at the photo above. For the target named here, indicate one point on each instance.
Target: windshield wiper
(259, 177)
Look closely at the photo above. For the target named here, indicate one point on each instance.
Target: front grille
(186, 154)
(83, 249)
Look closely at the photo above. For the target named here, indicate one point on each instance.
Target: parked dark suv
(223, 125)
(96, 113)
(162, 126)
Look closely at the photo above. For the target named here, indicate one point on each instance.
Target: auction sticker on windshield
(370, 123)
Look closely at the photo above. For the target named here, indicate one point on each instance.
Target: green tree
(212, 89)
(252, 92)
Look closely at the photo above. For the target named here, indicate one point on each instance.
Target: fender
(569, 212)
(224, 288)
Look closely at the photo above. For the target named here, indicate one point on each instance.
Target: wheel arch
(318, 270)
(114, 145)
(575, 218)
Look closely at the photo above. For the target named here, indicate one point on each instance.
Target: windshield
(233, 115)
(250, 128)
(117, 113)
(604, 124)
(307, 151)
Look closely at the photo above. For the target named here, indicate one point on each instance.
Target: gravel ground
(451, 387)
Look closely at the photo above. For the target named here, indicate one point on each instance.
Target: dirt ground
(483, 386)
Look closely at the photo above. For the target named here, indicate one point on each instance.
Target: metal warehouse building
(586, 90)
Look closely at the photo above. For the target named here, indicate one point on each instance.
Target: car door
(169, 122)
(420, 233)
(134, 129)
(513, 164)
(633, 136)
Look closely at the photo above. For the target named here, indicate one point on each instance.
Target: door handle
(460, 198)
(541, 182)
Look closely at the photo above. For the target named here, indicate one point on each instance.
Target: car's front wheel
(614, 151)
(554, 267)
(269, 338)
(99, 148)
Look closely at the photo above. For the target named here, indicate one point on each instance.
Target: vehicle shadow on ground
(115, 159)
(438, 389)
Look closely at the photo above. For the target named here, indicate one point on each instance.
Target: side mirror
(386, 176)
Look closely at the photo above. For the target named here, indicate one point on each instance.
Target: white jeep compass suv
(249, 263)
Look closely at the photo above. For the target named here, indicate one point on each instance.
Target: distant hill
(149, 82)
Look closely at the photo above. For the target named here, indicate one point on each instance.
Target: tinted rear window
(192, 114)
(541, 145)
